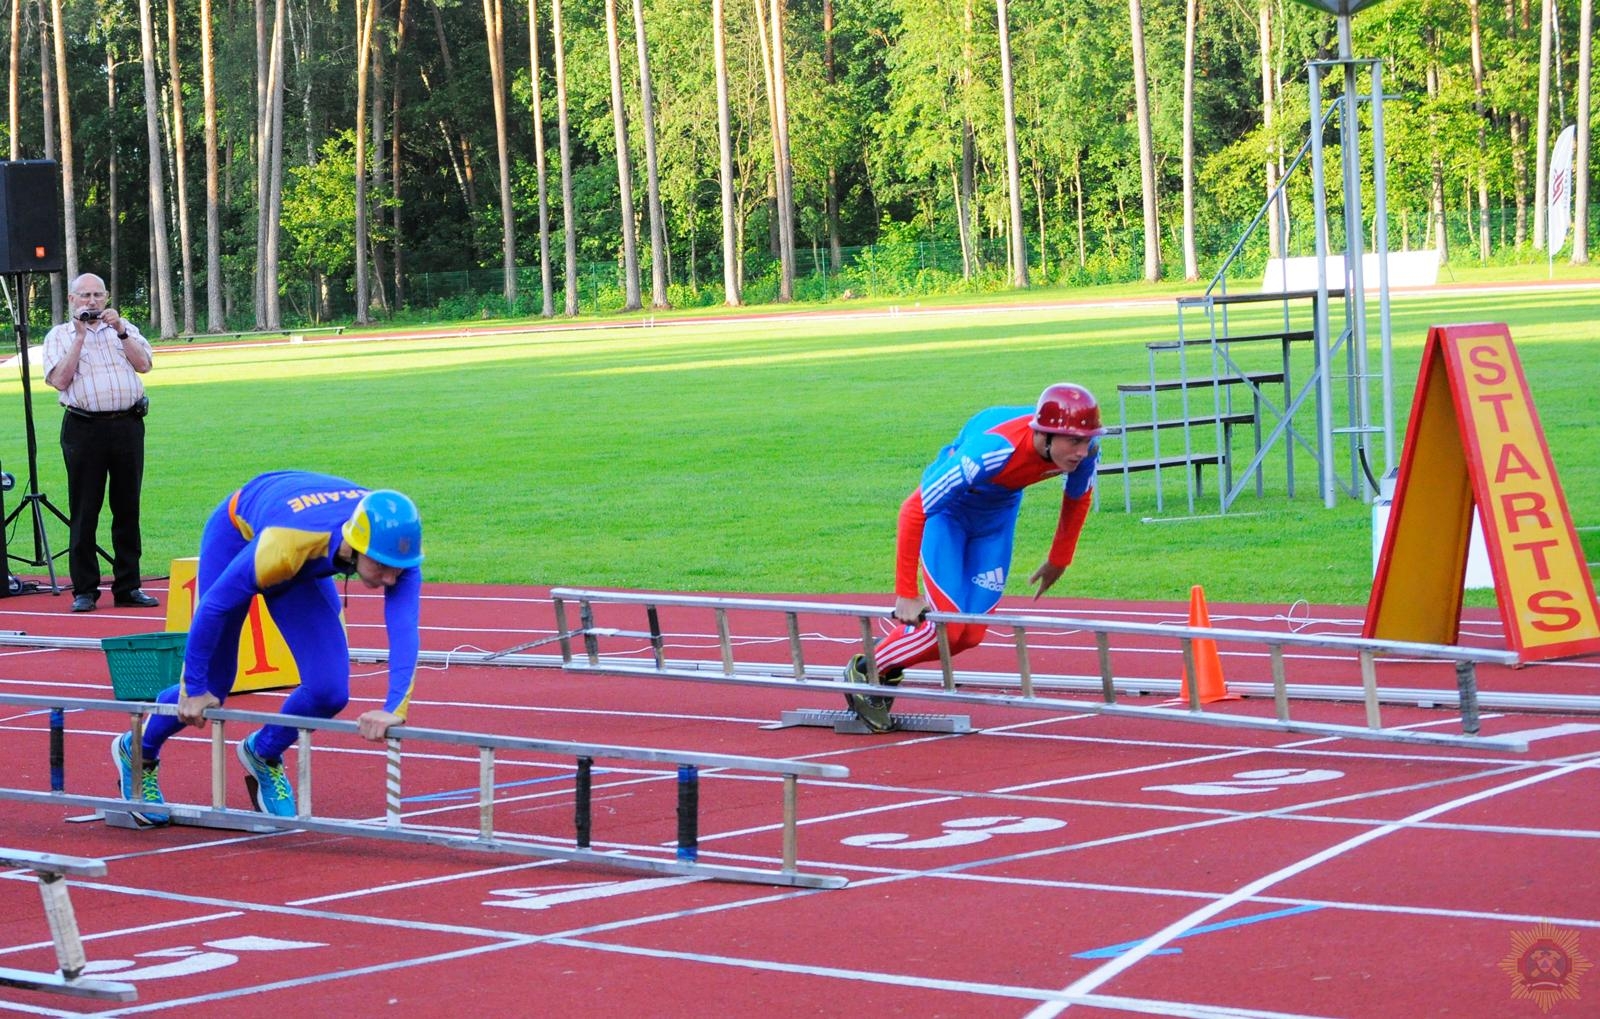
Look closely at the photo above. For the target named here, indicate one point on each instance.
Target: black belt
(97, 415)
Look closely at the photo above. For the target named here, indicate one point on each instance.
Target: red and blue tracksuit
(959, 524)
(277, 537)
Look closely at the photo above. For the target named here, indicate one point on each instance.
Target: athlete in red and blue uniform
(959, 524)
(285, 536)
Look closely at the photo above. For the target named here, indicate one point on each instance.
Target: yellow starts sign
(1474, 439)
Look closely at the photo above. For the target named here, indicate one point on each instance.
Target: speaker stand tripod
(34, 502)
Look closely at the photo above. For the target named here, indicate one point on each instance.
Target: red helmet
(1068, 409)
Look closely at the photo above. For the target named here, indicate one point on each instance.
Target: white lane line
(1087, 983)
(1552, 731)
(1143, 1006)
(1490, 916)
(123, 931)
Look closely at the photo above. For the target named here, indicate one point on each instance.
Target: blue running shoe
(270, 791)
(149, 785)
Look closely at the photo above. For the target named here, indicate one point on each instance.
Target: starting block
(179, 817)
(846, 722)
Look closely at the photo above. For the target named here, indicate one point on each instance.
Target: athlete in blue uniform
(960, 521)
(285, 536)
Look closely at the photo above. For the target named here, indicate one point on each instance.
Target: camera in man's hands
(89, 315)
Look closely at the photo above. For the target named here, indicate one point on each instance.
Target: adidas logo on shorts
(991, 580)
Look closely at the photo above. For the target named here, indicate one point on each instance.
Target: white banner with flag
(1560, 203)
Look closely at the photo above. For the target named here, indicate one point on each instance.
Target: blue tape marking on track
(472, 794)
(1112, 951)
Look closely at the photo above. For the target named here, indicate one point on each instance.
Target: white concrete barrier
(1406, 269)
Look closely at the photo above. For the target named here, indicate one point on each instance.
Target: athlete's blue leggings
(964, 560)
(306, 611)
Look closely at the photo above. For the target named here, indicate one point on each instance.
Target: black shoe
(83, 603)
(136, 599)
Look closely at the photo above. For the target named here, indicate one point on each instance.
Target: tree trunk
(1191, 265)
(215, 321)
(162, 270)
(113, 196)
(1436, 161)
(731, 256)
(494, 29)
(1580, 157)
(457, 141)
(774, 243)
(274, 157)
(619, 123)
(1480, 107)
(180, 167)
(379, 270)
(1019, 241)
(1519, 176)
(47, 95)
(69, 201)
(363, 55)
(402, 24)
(785, 168)
(1077, 193)
(1275, 238)
(14, 82)
(835, 245)
(964, 180)
(263, 169)
(658, 225)
(1147, 155)
(546, 280)
(1541, 173)
(569, 230)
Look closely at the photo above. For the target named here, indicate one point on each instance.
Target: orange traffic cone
(1207, 663)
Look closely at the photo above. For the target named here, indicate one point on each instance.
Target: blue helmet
(386, 527)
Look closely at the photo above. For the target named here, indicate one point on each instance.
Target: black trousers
(101, 455)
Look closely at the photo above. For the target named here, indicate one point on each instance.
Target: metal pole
(1319, 195)
(1380, 193)
(1355, 274)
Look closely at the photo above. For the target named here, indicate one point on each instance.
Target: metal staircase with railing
(1255, 377)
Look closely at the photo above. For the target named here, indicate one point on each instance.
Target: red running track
(1044, 863)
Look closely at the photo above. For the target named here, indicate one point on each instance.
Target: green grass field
(765, 456)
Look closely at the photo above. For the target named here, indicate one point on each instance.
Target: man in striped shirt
(95, 360)
(959, 523)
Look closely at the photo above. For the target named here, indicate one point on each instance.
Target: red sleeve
(908, 545)
(1074, 511)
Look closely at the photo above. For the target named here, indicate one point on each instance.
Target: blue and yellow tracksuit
(277, 537)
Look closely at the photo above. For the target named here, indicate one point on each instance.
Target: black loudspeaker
(30, 216)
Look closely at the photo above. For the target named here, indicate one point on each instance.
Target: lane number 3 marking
(1263, 781)
(963, 831)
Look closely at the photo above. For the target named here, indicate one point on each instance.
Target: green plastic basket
(144, 664)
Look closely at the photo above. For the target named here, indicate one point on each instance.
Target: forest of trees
(589, 154)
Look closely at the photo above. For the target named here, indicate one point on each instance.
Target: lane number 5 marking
(963, 831)
(1242, 783)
